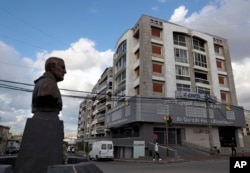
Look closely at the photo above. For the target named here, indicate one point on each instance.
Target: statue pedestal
(42, 144)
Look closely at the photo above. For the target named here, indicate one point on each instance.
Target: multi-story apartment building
(161, 69)
(91, 123)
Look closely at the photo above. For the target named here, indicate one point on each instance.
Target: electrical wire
(101, 96)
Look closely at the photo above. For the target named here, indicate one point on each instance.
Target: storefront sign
(190, 95)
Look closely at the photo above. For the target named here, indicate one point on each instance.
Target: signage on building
(189, 95)
(181, 111)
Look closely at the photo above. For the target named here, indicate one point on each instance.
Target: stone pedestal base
(42, 145)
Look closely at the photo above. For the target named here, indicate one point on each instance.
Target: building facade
(91, 120)
(246, 129)
(163, 69)
(4, 137)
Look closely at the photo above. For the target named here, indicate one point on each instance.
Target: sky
(84, 33)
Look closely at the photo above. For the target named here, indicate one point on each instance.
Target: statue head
(56, 66)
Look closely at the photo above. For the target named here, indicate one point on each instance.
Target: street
(207, 166)
(203, 166)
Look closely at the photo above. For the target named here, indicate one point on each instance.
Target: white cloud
(241, 77)
(155, 8)
(179, 14)
(228, 19)
(84, 65)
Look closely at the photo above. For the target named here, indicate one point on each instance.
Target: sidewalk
(182, 159)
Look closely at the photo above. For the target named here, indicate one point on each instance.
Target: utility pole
(210, 133)
(166, 118)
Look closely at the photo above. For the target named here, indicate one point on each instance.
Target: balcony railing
(199, 80)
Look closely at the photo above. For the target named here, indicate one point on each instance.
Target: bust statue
(46, 96)
(42, 143)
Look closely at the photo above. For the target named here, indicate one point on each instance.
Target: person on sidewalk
(156, 152)
(233, 149)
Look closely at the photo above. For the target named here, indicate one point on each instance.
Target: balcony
(203, 81)
(102, 87)
(109, 91)
(101, 118)
(101, 106)
(100, 128)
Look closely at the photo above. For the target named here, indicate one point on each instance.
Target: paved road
(205, 166)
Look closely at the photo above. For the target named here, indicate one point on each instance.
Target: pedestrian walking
(233, 149)
(156, 152)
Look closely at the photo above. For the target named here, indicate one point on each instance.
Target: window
(218, 49)
(121, 48)
(200, 60)
(221, 80)
(121, 77)
(201, 77)
(104, 147)
(202, 90)
(158, 87)
(180, 55)
(156, 32)
(156, 49)
(223, 96)
(199, 44)
(157, 68)
(183, 87)
(110, 146)
(219, 64)
(121, 63)
(182, 70)
(179, 39)
(182, 73)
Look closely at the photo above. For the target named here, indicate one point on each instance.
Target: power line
(90, 95)
(6, 63)
(29, 24)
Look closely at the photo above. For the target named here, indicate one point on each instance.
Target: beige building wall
(199, 136)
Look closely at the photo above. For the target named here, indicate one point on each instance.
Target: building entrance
(174, 136)
(227, 136)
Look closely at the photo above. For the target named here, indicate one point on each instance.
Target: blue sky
(31, 26)
(84, 34)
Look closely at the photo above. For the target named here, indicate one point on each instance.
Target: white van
(102, 150)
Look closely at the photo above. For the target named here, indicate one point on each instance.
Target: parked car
(102, 150)
(11, 150)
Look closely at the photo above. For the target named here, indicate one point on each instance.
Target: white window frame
(199, 44)
(178, 41)
(183, 87)
(200, 60)
(181, 55)
(182, 71)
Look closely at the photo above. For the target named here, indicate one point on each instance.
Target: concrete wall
(201, 138)
(246, 141)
